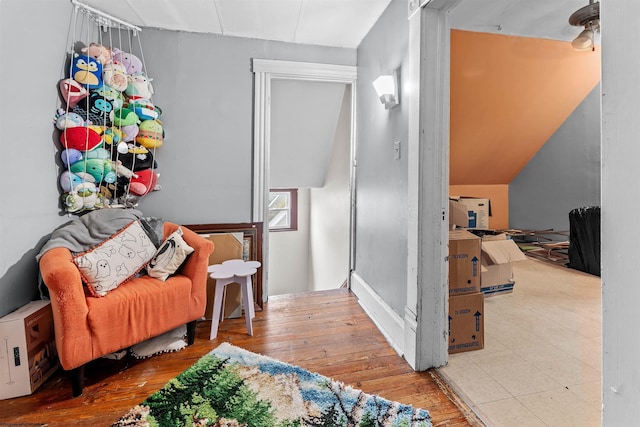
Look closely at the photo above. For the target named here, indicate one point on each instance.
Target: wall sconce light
(387, 89)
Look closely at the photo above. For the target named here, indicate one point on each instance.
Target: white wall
(620, 235)
(316, 256)
(304, 116)
(329, 221)
(289, 254)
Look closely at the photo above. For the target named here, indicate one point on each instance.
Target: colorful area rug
(233, 387)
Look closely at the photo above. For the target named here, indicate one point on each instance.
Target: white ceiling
(339, 23)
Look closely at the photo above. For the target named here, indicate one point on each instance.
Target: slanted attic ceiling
(339, 23)
(508, 97)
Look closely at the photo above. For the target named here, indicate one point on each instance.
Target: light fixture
(589, 18)
(387, 89)
(584, 40)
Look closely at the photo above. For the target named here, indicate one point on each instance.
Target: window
(283, 210)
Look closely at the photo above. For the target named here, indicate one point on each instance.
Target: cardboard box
(458, 215)
(498, 254)
(466, 322)
(464, 262)
(469, 212)
(496, 279)
(227, 246)
(28, 353)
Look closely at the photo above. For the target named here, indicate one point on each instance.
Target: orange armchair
(88, 327)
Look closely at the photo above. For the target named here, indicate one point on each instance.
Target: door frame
(265, 71)
(426, 312)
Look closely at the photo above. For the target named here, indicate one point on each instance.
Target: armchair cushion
(116, 259)
(169, 257)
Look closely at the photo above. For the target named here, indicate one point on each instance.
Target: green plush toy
(98, 168)
(124, 117)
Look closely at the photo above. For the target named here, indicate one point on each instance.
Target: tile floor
(540, 365)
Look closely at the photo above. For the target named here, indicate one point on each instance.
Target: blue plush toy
(64, 120)
(69, 181)
(87, 71)
(69, 156)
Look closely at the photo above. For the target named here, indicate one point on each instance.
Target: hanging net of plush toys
(109, 126)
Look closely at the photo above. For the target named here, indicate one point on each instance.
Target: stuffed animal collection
(109, 130)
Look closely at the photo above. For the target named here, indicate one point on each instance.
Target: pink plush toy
(132, 63)
(101, 53)
(72, 92)
(114, 75)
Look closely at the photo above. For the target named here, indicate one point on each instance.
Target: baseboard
(390, 324)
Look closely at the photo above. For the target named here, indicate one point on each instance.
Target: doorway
(286, 157)
(309, 179)
(564, 364)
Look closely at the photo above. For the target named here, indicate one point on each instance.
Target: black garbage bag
(584, 239)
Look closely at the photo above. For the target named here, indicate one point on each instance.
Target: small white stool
(233, 271)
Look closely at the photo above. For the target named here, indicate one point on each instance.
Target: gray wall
(620, 177)
(204, 86)
(304, 116)
(381, 187)
(563, 175)
(28, 100)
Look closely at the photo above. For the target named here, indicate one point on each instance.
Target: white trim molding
(305, 70)
(388, 321)
(266, 70)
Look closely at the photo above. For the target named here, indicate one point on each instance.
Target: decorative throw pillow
(169, 256)
(115, 260)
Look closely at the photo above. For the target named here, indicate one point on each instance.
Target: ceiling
(546, 19)
(338, 23)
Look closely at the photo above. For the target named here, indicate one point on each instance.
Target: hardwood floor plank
(325, 332)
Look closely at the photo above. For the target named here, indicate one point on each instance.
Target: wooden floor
(326, 332)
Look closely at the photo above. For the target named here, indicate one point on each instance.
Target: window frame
(293, 210)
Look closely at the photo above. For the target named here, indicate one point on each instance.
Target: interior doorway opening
(309, 223)
(324, 179)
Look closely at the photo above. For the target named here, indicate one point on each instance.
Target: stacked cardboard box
(469, 212)
(498, 254)
(466, 302)
(27, 349)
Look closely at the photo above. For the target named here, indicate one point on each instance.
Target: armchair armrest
(196, 265)
(68, 303)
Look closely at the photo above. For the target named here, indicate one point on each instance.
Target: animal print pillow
(115, 260)
(171, 254)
